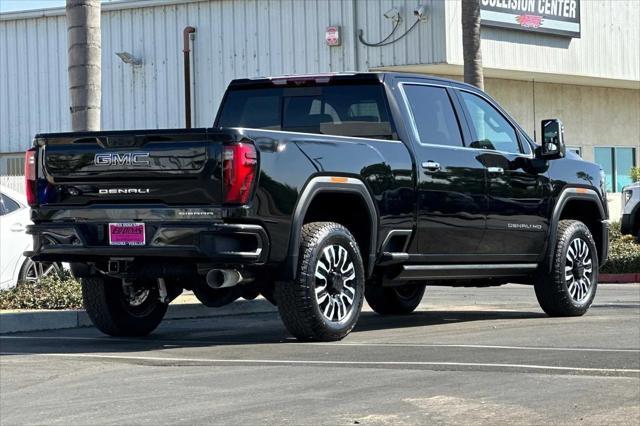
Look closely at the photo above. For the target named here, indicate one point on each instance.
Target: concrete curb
(631, 278)
(14, 322)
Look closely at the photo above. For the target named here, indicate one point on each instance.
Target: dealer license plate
(126, 234)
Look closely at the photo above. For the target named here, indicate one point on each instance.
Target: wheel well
(588, 213)
(347, 209)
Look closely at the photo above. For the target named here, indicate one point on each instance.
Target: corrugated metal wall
(234, 38)
(33, 80)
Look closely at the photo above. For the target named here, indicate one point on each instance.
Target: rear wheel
(325, 300)
(394, 300)
(570, 287)
(117, 310)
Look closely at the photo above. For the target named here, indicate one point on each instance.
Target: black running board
(393, 258)
(458, 272)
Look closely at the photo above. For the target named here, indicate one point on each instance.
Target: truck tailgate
(172, 167)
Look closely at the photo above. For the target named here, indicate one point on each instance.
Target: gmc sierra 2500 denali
(319, 192)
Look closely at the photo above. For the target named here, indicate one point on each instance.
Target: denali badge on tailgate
(109, 191)
(121, 159)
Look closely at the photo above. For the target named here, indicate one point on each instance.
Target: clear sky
(15, 5)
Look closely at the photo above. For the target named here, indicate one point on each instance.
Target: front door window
(491, 130)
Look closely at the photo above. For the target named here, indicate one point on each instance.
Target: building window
(616, 163)
(576, 149)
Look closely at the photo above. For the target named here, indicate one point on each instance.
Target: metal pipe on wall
(187, 74)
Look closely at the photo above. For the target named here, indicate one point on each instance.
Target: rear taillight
(30, 177)
(239, 168)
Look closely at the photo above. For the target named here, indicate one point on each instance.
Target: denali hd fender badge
(526, 226)
(113, 191)
(121, 159)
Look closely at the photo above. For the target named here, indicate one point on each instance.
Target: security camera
(420, 12)
(393, 14)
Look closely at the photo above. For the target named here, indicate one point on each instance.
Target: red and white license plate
(126, 234)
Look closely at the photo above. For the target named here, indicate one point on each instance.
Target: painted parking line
(388, 345)
(332, 362)
(468, 346)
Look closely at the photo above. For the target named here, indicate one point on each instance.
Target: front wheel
(570, 287)
(119, 311)
(325, 300)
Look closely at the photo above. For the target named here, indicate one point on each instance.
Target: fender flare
(569, 194)
(324, 184)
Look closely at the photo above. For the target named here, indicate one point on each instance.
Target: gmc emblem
(121, 159)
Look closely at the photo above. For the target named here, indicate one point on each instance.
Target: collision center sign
(560, 17)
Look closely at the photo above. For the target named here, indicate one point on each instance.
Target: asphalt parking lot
(487, 356)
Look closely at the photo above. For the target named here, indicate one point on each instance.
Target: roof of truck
(344, 76)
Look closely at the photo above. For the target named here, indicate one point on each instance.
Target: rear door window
(435, 120)
(356, 110)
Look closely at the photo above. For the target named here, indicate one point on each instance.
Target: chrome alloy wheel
(34, 271)
(578, 270)
(335, 285)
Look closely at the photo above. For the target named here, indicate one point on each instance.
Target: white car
(14, 266)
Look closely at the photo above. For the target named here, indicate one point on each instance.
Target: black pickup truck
(319, 192)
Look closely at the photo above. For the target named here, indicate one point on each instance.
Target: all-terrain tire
(394, 300)
(305, 315)
(111, 313)
(556, 290)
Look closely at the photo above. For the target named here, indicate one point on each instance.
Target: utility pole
(84, 63)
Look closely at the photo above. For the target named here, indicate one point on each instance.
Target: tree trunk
(83, 41)
(471, 43)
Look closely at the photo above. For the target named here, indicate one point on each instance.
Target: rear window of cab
(354, 110)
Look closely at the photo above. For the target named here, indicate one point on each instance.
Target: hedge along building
(578, 60)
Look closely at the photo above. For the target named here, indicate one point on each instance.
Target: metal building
(584, 70)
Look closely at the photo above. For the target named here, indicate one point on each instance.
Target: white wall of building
(592, 116)
(609, 46)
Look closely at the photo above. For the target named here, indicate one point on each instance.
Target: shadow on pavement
(237, 330)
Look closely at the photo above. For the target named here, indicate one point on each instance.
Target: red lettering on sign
(529, 21)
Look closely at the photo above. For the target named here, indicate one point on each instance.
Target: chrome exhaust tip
(223, 278)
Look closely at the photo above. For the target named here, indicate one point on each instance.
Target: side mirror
(552, 140)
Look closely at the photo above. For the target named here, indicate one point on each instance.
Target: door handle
(431, 166)
(17, 227)
(495, 170)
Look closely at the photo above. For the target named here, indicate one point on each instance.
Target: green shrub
(635, 174)
(624, 253)
(49, 293)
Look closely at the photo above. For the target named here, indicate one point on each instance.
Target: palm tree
(471, 43)
(84, 45)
